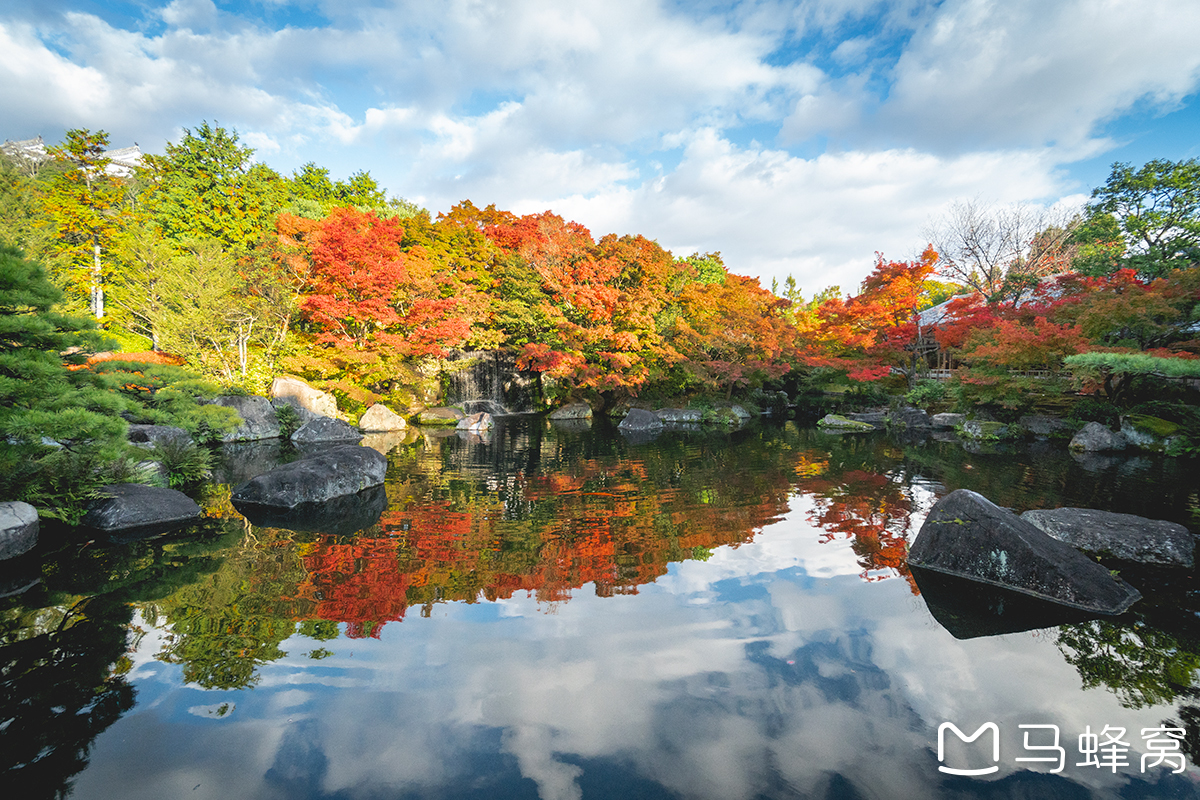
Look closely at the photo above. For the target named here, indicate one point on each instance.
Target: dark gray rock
(572, 411)
(968, 536)
(1045, 425)
(876, 419)
(639, 419)
(337, 471)
(155, 434)
(18, 528)
(132, 506)
(946, 421)
(1095, 438)
(909, 417)
(258, 418)
(340, 516)
(326, 429)
(1125, 536)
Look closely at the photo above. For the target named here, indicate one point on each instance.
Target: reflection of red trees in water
(615, 531)
(872, 511)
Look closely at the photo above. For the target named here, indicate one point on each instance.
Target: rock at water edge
(969, 536)
(1125, 536)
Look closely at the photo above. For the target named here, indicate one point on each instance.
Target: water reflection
(560, 613)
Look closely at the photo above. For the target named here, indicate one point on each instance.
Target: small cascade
(488, 380)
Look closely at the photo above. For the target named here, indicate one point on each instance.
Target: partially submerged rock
(838, 423)
(338, 471)
(1148, 433)
(572, 411)
(476, 423)
(639, 419)
(876, 419)
(339, 516)
(258, 418)
(18, 528)
(947, 421)
(1045, 425)
(441, 416)
(1123, 536)
(968, 536)
(1096, 438)
(324, 429)
(909, 418)
(126, 507)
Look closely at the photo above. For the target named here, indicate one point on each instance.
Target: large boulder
(639, 419)
(325, 429)
(968, 536)
(1096, 438)
(381, 418)
(947, 421)
(300, 394)
(338, 516)
(132, 506)
(476, 423)
(840, 424)
(18, 528)
(150, 435)
(909, 418)
(1124, 536)
(258, 418)
(338, 471)
(445, 415)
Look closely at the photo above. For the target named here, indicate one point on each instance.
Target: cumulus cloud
(796, 138)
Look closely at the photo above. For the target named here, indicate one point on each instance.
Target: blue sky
(796, 138)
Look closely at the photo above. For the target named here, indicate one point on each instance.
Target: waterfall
(488, 380)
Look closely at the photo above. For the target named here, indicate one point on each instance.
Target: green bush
(927, 393)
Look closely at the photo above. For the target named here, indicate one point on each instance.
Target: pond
(557, 612)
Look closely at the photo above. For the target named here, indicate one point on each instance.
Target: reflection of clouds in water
(780, 683)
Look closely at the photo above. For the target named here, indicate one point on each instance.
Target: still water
(560, 613)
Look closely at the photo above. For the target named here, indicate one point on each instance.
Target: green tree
(208, 187)
(83, 206)
(1157, 209)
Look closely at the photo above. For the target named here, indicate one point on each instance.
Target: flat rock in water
(1125, 536)
(836, 422)
(639, 419)
(18, 528)
(876, 419)
(338, 471)
(968, 536)
(1044, 425)
(258, 418)
(441, 416)
(339, 516)
(132, 506)
(324, 429)
(909, 418)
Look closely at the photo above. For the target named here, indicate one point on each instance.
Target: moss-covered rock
(838, 423)
(987, 430)
(1148, 433)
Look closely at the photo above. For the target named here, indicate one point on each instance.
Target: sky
(796, 138)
